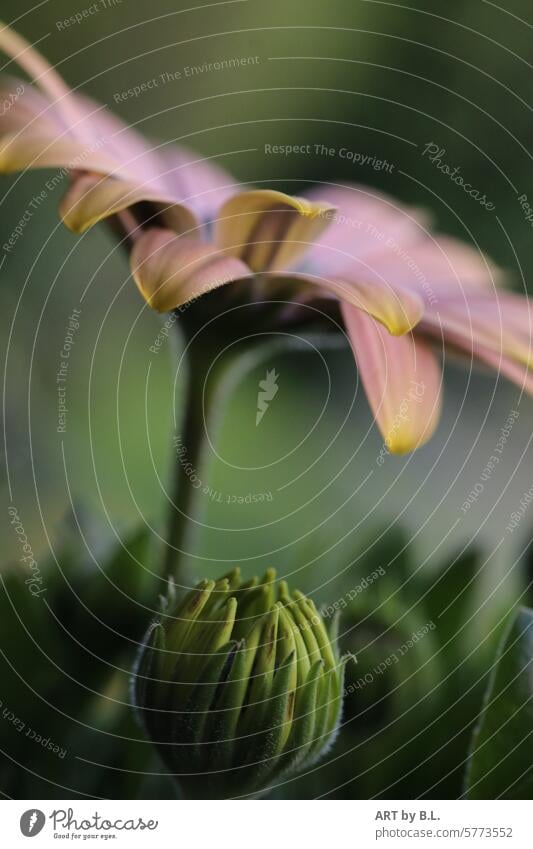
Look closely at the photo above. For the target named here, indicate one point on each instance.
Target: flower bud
(238, 685)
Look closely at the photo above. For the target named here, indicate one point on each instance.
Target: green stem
(185, 458)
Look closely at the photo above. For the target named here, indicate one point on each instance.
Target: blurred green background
(377, 78)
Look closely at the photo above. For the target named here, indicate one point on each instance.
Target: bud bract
(239, 685)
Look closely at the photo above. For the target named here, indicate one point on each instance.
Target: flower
(401, 291)
(238, 685)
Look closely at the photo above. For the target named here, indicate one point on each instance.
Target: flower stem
(185, 458)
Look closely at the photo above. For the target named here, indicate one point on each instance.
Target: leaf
(449, 592)
(448, 598)
(501, 759)
(64, 659)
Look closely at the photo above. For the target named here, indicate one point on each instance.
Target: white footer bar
(263, 823)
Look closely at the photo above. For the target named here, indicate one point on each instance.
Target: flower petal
(38, 68)
(402, 379)
(95, 140)
(80, 118)
(57, 127)
(33, 134)
(501, 322)
(437, 267)
(170, 271)
(362, 222)
(399, 311)
(24, 104)
(267, 229)
(92, 198)
(137, 158)
(199, 182)
(517, 373)
(19, 151)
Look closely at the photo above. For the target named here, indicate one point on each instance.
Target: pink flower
(400, 289)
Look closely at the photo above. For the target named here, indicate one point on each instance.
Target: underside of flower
(191, 229)
(239, 685)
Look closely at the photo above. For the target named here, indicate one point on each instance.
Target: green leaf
(449, 593)
(501, 760)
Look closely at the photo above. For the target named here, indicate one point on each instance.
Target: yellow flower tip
(77, 225)
(398, 322)
(270, 198)
(311, 210)
(75, 218)
(405, 443)
(7, 165)
(399, 446)
(526, 359)
(154, 302)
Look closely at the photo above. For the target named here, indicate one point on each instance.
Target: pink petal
(267, 229)
(399, 311)
(25, 104)
(437, 267)
(82, 120)
(38, 142)
(196, 181)
(494, 329)
(362, 223)
(517, 373)
(92, 198)
(20, 151)
(55, 126)
(39, 69)
(501, 322)
(33, 135)
(171, 271)
(402, 379)
(137, 157)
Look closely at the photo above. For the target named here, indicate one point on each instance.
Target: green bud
(238, 685)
